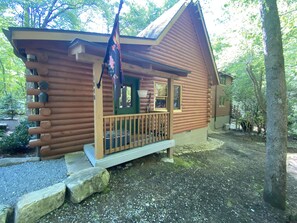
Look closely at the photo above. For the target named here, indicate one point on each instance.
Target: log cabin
(168, 68)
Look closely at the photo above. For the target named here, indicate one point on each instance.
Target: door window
(126, 96)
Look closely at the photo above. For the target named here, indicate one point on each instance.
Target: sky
(212, 10)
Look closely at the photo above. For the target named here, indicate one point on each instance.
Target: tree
(276, 141)
(11, 106)
(62, 14)
(237, 44)
(140, 16)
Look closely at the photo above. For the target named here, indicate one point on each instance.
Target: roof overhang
(88, 52)
(18, 33)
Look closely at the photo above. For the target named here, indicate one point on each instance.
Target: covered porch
(121, 138)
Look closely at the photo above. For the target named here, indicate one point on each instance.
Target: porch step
(126, 155)
(76, 161)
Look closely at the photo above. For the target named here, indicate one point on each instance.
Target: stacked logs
(65, 119)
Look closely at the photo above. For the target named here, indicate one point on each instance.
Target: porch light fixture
(142, 93)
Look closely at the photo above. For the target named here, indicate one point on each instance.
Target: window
(177, 97)
(223, 80)
(161, 96)
(125, 97)
(221, 101)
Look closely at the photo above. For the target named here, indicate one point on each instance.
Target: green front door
(128, 102)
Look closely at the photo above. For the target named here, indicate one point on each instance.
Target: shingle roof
(154, 29)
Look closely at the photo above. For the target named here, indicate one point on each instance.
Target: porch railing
(122, 132)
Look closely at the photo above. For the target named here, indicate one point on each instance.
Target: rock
(86, 182)
(34, 205)
(167, 160)
(14, 161)
(5, 213)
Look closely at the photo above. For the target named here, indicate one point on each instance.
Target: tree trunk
(276, 140)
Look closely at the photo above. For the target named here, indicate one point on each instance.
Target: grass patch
(183, 163)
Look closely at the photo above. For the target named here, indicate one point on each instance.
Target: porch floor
(126, 155)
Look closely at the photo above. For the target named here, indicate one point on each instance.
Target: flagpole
(113, 56)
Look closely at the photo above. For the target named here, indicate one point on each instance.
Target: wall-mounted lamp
(142, 93)
(43, 97)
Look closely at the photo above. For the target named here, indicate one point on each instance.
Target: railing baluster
(110, 134)
(163, 126)
(121, 132)
(104, 136)
(115, 133)
(168, 118)
(142, 130)
(130, 131)
(134, 132)
(126, 133)
(145, 130)
(138, 131)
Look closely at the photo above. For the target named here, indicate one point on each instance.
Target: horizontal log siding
(70, 122)
(181, 48)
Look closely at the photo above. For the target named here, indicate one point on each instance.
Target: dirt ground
(221, 181)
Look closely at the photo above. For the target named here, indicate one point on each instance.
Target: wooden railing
(121, 132)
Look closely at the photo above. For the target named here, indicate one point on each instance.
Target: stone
(167, 160)
(5, 213)
(76, 162)
(86, 182)
(14, 161)
(35, 205)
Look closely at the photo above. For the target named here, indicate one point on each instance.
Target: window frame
(161, 97)
(180, 98)
(166, 97)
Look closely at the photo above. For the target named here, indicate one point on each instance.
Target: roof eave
(67, 35)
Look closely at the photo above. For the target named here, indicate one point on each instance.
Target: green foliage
(237, 44)
(17, 141)
(11, 106)
(140, 16)
(46, 14)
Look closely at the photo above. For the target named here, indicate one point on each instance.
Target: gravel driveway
(20, 179)
(221, 185)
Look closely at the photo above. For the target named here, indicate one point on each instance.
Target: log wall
(66, 122)
(181, 47)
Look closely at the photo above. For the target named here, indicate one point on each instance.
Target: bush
(17, 141)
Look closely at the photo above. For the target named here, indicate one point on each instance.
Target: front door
(128, 102)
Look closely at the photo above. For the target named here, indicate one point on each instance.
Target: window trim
(166, 97)
(155, 96)
(180, 99)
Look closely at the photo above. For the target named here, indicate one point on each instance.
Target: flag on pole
(112, 59)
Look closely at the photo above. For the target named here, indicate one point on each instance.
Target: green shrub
(16, 141)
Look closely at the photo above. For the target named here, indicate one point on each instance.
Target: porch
(124, 137)
(128, 137)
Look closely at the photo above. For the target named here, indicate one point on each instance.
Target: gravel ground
(20, 179)
(203, 185)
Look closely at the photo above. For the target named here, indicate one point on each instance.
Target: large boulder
(5, 213)
(86, 182)
(34, 205)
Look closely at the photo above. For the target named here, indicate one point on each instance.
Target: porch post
(98, 111)
(170, 110)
